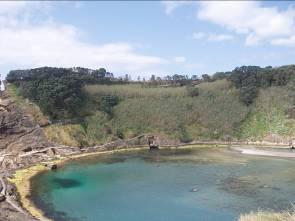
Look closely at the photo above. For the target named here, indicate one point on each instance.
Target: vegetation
(248, 103)
(135, 91)
(57, 91)
(269, 216)
(32, 110)
(268, 115)
(249, 79)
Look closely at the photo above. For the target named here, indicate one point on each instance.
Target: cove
(181, 184)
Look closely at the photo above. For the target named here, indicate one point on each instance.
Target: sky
(142, 38)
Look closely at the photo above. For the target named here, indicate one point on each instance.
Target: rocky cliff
(22, 143)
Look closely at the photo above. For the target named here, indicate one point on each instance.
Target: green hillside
(248, 103)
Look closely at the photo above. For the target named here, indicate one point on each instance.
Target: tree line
(57, 91)
(59, 94)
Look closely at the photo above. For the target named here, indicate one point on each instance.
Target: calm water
(166, 185)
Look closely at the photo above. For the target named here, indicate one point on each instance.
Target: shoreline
(22, 177)
(263, 152)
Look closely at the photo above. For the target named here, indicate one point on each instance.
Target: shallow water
(167, 185)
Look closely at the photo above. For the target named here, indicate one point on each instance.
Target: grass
(169, 112)
(215, 114)
(268, 115)
(70, 135)
(210, 115)
(135, 91)
(268, 216)
(30, 108)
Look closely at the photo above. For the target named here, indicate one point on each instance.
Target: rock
(53, 167)
(28, 149)
(19, 133)
(11, 189)
(194, 190)
(2, 198)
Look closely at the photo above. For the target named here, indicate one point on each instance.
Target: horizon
(147, 38)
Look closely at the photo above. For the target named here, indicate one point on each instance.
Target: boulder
(2, 198)
(53, 167)
(11, 189)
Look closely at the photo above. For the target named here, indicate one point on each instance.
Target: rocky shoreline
(24, 151)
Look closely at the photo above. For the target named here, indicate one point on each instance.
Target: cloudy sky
(144, 38)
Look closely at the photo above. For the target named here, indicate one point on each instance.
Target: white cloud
(212, 37)
(284, 41)
(199, 35)
(259, 23)
(170, 6)
(222, 37)
(27, 42)
(180, 59)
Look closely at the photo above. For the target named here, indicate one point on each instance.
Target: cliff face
(22, 143)
(18, 135)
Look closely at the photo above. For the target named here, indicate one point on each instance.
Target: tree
(58, 91)
(106, 103)
(206, 77)
(101, 72)
(126, 78)
(248, 94)
(195, 77)
(153, 78)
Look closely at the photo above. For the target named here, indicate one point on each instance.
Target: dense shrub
(57, 91)
(107, 102)
(249, 79)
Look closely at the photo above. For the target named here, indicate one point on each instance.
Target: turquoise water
(167, 185)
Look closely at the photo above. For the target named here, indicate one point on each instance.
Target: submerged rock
(194, 190)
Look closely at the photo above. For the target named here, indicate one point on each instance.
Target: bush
(106, 103)
(248, 94)
(184, 135)
(57, 91)
(192, 90)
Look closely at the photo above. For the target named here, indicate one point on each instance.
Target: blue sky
(144, 38)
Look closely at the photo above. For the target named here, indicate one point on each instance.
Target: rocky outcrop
(17, 132)
(22, 143)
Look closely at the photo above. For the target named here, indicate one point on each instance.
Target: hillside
(249, 104)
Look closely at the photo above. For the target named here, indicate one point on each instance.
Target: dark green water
(157, 186)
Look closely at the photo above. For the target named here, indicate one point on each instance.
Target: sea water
(202, 184)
